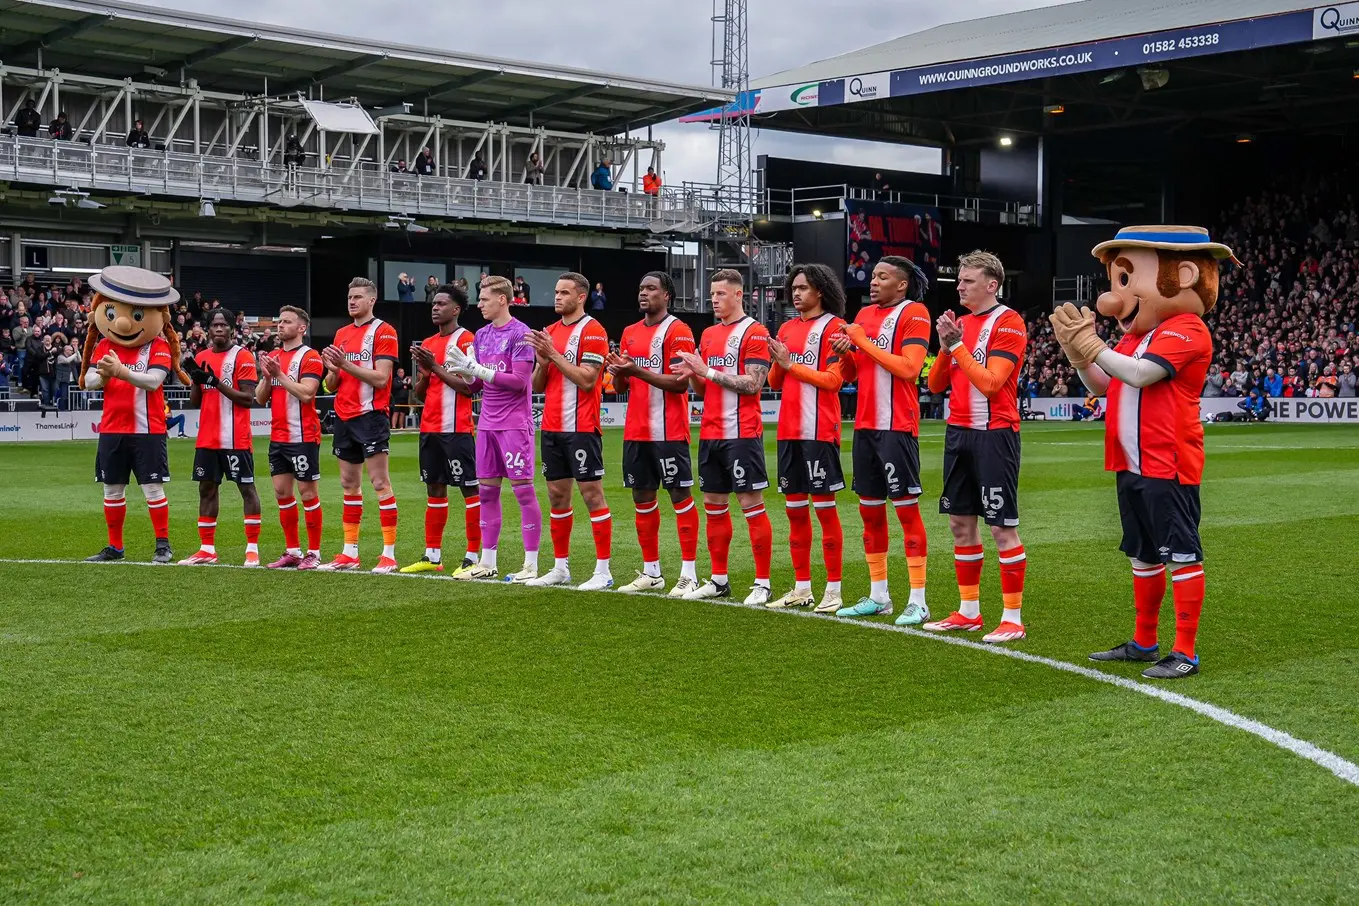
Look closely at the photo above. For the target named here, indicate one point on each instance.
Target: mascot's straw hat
(134, 286)
(1167, 238)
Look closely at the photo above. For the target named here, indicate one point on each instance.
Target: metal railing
(62, 165)
(806, 201)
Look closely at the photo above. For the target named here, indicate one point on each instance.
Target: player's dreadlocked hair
(823, 280)
(919, 283)
(92, 340)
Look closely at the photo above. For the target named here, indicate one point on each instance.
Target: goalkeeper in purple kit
(499, 366)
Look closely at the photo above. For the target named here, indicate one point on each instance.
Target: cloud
(653, 40)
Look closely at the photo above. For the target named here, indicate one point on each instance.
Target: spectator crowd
(42, 328)
(1285, 322)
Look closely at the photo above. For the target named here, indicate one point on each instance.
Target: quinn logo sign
(1334, 21)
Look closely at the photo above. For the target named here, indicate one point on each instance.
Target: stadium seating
(1285, 323)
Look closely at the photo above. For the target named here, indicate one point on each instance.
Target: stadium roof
(1035, 29)
(1226, 69)
(122, 40)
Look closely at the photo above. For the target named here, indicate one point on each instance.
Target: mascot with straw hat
(129, 352)
(1164, 279)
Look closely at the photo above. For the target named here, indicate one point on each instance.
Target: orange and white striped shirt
(293, 421)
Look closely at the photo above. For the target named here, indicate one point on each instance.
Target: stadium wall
(32, 427)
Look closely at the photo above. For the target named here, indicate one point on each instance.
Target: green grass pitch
(215, 735)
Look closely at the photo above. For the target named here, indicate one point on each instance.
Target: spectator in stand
(401, 396)
(20, 337)
(35, 356)
(60, 129)
(28, 121)
(47, 371)
(597, 298)
(405, 288)
(424, 163)
(651, 183)
(1326, 385)
(6, 370)
(400, 166)
(477, 168)
(533, 171)
(1216, 381)
(519, 298)
(1347, 380)
(1273, 384)
(293, 153)
(602, 177)
(522, 289)
(68, 363)
(431, 286)
(880, 184)
(137, 136)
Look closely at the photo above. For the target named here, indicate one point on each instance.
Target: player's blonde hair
(985, 262)
(501, 286)
(365, 284)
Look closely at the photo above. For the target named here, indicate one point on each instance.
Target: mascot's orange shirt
(129, 409)
(1155, 431)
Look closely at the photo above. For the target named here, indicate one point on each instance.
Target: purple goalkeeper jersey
(503, 408)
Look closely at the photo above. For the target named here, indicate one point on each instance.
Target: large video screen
(874, 229)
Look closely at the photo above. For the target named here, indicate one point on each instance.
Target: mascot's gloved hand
(1075, 333)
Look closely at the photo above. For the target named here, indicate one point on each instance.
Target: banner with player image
(874, 229)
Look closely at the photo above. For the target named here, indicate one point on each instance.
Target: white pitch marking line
(1345, 770)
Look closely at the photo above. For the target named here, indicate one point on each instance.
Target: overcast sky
(669, 41)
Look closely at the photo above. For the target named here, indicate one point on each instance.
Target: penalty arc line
(1342, 768)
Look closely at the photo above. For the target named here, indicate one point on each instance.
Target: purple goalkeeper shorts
(505, 454)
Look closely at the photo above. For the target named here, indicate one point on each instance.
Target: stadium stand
(1286, 322)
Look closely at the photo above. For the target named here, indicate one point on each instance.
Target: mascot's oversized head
(1157, 272)
(132, 306)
